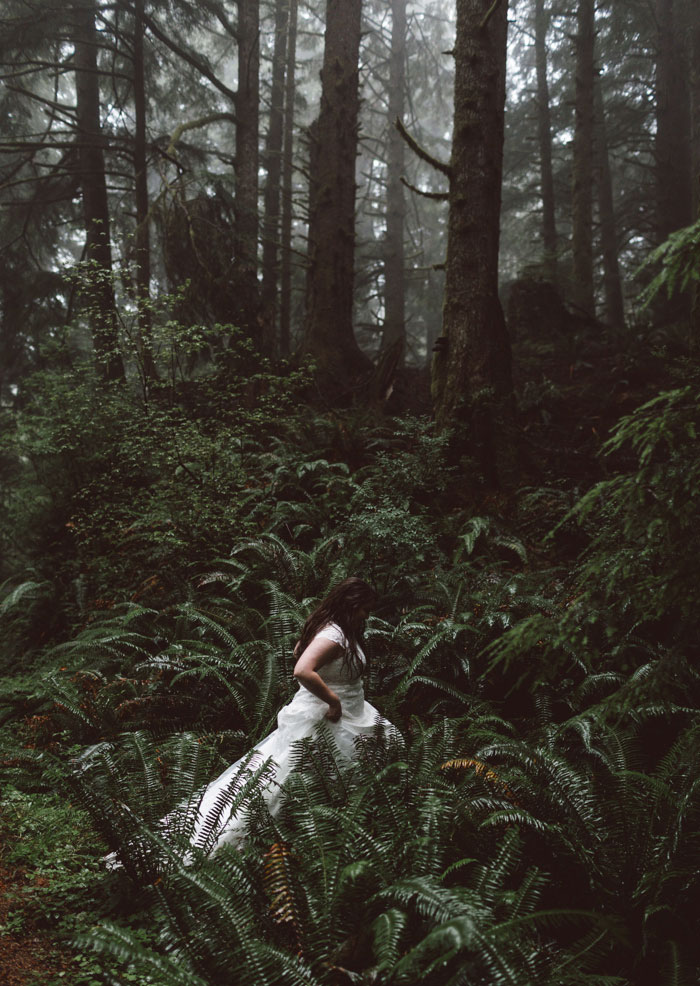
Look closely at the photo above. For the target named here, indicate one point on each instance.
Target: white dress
(297, 720)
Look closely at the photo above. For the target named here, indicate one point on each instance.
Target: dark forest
(398, 294)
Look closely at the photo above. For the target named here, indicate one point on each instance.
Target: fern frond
(125, 947)
(481, 770)
(280, 887)
(437, 951)
(21, 594)
(387, 931)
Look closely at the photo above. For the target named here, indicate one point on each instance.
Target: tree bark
(91, 165)
(674, 194)
(695, 110)
(246, 167)
(287, 184)
(273, 167)
(544, 133)
(582, 185)
(695, 153)
(673, 181)
(612, 284)
(143, 245)
(394, 333)
(472, 383)
(329, 333)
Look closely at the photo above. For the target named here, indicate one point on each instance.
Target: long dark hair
(339, 607)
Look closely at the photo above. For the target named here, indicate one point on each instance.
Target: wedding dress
(297, 720)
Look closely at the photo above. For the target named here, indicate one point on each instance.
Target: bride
(329, 664)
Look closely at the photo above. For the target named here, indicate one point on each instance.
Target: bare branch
(436, 196)
(187, 56)
(202, 121)
(421, 152)
(218, 12)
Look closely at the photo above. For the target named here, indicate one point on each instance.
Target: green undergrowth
(537, 818)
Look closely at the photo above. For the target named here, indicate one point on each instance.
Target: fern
(20, 595)
(678, 259)
(388, 931)
(125, 947)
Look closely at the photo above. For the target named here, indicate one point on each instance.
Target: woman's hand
(335, 711)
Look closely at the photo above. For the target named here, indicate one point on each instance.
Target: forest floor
(28, 955)
(46, 884)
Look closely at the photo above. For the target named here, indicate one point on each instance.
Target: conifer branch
(437, 196)
(201, 121)
(188, 57)
(421, 152)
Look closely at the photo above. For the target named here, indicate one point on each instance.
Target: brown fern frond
(481, 770)
(279, 886)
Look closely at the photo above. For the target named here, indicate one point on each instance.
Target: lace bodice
(339, 671)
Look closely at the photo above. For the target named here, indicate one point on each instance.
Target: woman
(329, 664)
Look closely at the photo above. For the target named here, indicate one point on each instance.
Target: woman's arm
(319, 652)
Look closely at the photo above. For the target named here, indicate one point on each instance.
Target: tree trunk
(673, 182)
(273, 167)
(695, 110)
(91, 165)
(246, 167)
(695, 153)
(143, 246)
(582, 186)
(394, 270)
(612, 284)
(472, 383)
(333, 148)
(544, 133)
(673, 145)
(287, 184)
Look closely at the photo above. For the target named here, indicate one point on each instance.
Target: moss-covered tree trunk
(91, 165)
(143, 241)
(582, 292)
(612, 282)
(273, 169)
(329, 335)
(394, 333)
(472, 384)
(246, 168)
(544, 135)
(287, 183)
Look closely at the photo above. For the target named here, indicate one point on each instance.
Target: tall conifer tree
(544, 134)
(98, 245)
(472, 369)
(582, 291)
(246, 168)
(329, 334)
(394, 262)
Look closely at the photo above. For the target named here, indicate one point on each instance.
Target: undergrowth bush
(116, 498)
(645, 548)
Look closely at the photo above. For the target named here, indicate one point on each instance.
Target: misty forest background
(292, 290)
